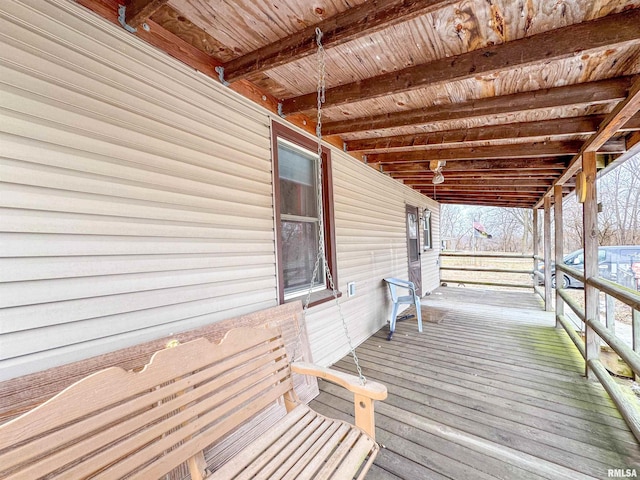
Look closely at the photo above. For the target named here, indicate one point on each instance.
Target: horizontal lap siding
(136, 200)
(135, 195)
(371, 245)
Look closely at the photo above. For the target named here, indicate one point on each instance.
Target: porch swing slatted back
(116, 424)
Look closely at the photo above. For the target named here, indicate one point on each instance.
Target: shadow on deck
(490, 390)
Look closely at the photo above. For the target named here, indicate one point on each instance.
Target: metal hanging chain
(321, 256)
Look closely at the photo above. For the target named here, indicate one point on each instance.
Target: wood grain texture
(622, 112)
(542, 149)
(556, 44)
(116, 423)
(526, 164)
(139, 11)
(511, 385)
(367, 18)
(42, 385)
(546, 128)
(590, 246)
(602, 91)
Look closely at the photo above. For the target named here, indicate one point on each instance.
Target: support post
(559, 247)
(546, 245)
(534, 239)
(590, 244)
(635, 332)
(610, 313)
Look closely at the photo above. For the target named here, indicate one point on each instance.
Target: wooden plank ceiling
(508, 93)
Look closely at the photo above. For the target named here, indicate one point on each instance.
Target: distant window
(426, 220)
(297, 215)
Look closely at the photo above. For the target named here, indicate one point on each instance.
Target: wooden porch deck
(490, 390)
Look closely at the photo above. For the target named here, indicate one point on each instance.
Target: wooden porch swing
(119, 424)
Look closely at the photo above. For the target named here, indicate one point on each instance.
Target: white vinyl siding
(136, 196)
(136, 200)
(371, 244)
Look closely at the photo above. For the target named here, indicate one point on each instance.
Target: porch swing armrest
(372, 390)
(363, 395)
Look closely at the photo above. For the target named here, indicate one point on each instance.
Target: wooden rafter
(455, 179)
(484, 183)
(484, 202)
(488, 190)
(544, 47)
(542, 149)
(139, 11)
(521, 164)
(547, 128)
(610, 125)
(486, 195)
(366, 18)
(471, 199)
(597, 92)
(516, 174)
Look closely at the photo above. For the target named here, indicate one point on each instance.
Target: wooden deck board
(490, 389)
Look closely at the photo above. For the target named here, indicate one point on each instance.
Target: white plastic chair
(411, 299)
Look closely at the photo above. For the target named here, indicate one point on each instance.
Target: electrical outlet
(351, 289)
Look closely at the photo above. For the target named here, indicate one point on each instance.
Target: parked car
(614, 263)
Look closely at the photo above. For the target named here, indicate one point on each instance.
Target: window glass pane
(413, 225)
(297, 170)
(299, 251)
(412, 231)
(413, 249)
(427, 229)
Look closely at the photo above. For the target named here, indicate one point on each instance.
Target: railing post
(635, 332)
(590, 243)
(547, 254)
(559, 245)
(534, 239)
(610, 312)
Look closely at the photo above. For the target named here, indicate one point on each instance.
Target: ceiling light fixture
(436, 167)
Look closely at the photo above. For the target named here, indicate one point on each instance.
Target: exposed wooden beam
(597, 92)
(483, 193)
(179, 48)
(614, 145)
(487, 184)
(552, 174)
(474, 197)
(479, 200)
(547, 128)
(528, 150)
(632, 140)
(560, 43)
(489, 191)
(529, 164)
(475, 200)
(139, 11)
(526, 204)
(620, 115)
(364, 19)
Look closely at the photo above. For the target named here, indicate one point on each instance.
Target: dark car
(614, 263)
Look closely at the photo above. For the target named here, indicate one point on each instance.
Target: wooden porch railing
(484, 269)
(606, 332)
(613, 292)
